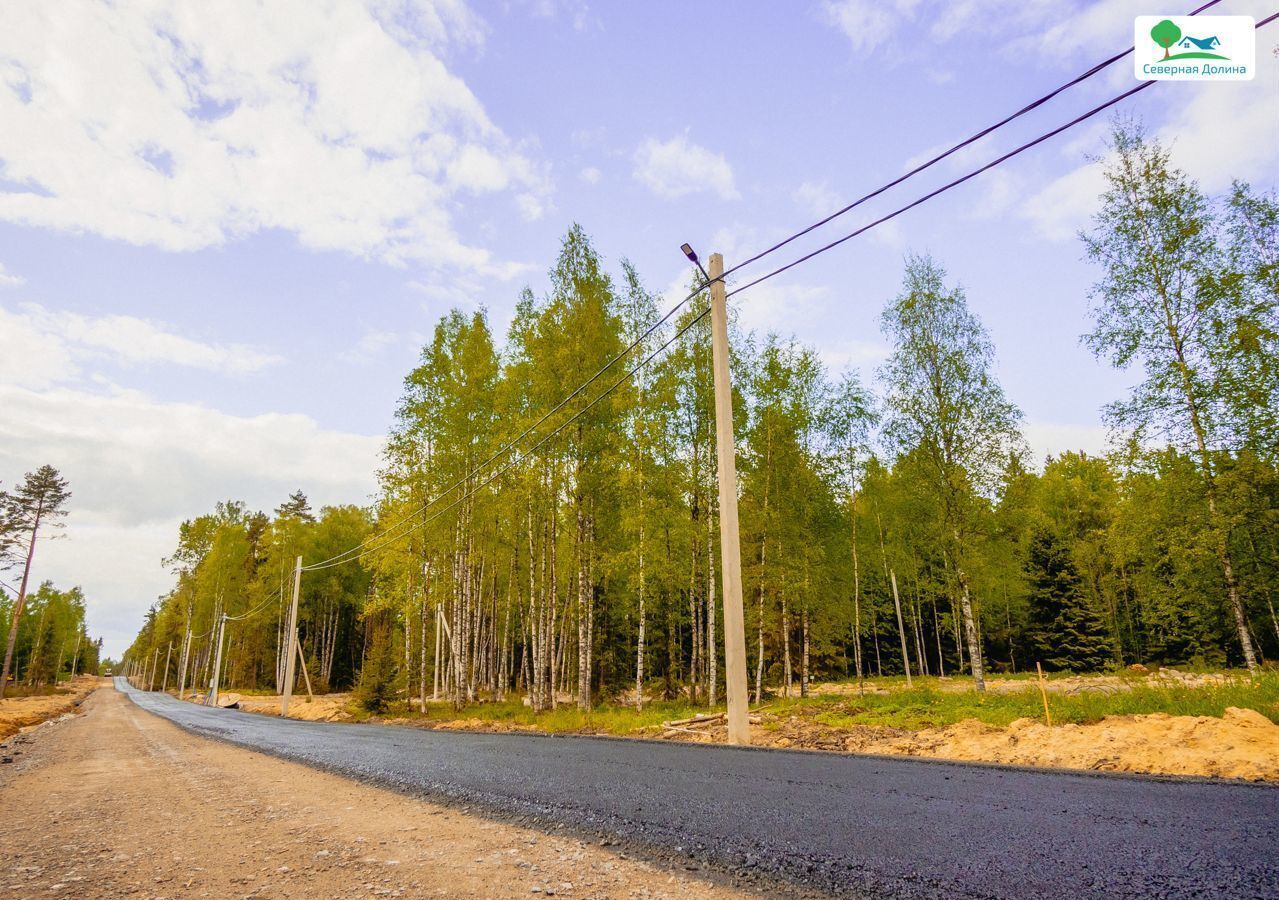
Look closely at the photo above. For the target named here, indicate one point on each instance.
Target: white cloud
(137, 467)
(8, 279)
(1053, 439)
(679, 167)
(375, 344)
(868, 23)
(40, 346)
(815, 198)
(590, 175)
(1214, 132)
(854, 354)
(186, 125)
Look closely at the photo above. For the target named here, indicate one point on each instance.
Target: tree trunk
(857, 599)
(901, 627)
(639, 641)
(20, 602)
(970, 628)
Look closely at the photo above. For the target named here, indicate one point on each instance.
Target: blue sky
(226, 229)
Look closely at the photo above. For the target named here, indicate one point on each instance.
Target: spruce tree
(1065, 631)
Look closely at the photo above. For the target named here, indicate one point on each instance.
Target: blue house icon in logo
(1208, 43)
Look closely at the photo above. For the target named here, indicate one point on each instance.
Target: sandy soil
(324, 708)
(1241, 744)
(18, 713)
(116, 801)
(1070, 684)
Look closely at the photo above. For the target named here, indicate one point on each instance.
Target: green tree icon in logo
(1165, 34)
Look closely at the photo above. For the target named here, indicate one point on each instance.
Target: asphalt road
(857, 825)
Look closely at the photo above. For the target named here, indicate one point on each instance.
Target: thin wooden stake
(1043, 692)
(305, 674)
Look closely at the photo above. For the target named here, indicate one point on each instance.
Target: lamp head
(688, 251)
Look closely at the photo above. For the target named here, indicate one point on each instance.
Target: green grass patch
(925, 705)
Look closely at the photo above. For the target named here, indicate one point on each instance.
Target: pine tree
(38, 502)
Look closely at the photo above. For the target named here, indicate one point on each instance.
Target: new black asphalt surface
(856, 825)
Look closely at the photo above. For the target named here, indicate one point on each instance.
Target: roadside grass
(923, 706)
(566, 719)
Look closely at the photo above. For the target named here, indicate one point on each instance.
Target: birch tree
(1160, 305)
(944, 402)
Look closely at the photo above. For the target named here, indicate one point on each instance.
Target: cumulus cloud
(868, 23)
(678, 167)
(1054, 438)
(1214, 132)
(40, 347)
(374, 344)
(8, 279)
(138, 467)
(184, 125)
(815, 198)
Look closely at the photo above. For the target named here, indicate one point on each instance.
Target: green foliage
(376, 688)
(537, 575)
(1065, 632)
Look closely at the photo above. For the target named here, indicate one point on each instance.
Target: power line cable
(958, 181)
(360, 550)
(1029, 107)
(507, 447)
(385, 539)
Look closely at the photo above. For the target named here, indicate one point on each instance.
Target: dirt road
(119, 802)
(859, 825)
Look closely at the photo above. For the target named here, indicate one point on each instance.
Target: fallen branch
(704, 718)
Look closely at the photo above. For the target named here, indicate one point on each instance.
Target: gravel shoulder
(116, 801)
(863, 826)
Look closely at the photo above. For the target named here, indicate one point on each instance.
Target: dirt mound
(324, 708)
(1241, 744)
(17, 713)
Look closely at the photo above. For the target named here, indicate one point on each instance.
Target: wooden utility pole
(154, 662)
(212, 699)
(75, 659)
(164, 687)
(292, 637)
(730, 547)
(901, 627)
(186, 657)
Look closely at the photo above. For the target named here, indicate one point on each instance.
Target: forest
(53, 642)
(47, 635)
(891, 521)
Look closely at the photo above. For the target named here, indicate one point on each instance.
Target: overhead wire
(971, 139)
(958, 181)
(523, 456)
(389, 535)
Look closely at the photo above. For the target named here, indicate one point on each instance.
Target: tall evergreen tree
(37, 503)
(1065, 632)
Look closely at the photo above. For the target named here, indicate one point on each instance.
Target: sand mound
(324, 708)
(17, 713)
(1241, 744)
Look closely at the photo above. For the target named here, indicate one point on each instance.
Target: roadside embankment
(17, 713)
